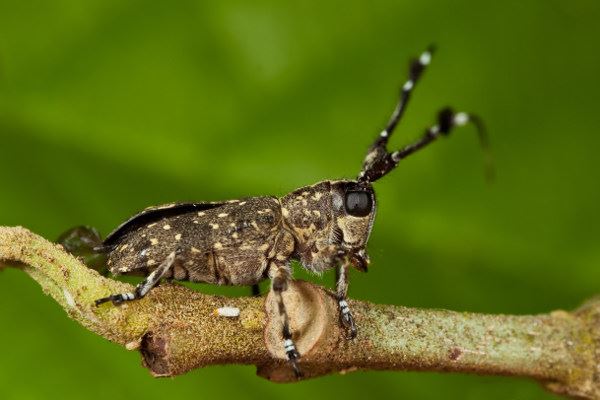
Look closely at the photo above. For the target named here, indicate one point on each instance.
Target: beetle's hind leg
(144, 286)
(280, 278)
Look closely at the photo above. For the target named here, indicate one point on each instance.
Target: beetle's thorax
(325, 233)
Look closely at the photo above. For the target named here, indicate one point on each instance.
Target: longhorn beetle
(242, 242)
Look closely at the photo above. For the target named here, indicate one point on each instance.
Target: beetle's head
(354, 208)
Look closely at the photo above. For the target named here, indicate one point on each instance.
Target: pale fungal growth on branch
(177, 329)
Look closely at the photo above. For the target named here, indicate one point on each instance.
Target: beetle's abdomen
(228, 244)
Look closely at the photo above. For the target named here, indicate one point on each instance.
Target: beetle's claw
(293, 357)
(116, 299)
(348, 322)
(102, 301)
(346, 319)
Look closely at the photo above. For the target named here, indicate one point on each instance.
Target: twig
(177, 329)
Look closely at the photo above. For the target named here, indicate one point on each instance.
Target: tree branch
(177, 329)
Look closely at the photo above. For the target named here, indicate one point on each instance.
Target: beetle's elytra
(242, 242)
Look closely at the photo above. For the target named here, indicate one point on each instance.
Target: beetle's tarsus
(293, 357)
(116, 299)
(101, 301)
(346, 319)
(347, 322)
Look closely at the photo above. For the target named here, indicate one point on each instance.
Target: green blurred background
(107, 107)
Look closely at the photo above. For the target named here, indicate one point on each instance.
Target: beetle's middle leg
(280, 278)
(342, 290)
(144, 286)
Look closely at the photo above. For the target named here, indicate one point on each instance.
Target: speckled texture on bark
(177, 329)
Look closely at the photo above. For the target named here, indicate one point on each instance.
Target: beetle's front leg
(280, 278)
(342, 290)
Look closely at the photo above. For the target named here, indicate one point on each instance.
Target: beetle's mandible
(242, 242)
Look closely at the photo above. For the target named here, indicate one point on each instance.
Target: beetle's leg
(144, 286)
(280, 277)
(342, 290)
(255, 290)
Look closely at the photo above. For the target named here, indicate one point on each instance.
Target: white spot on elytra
(218, 246)
(195, 221)
(195, 250)
(167, 227)
(150, 263)
(234, 235)
(178, 237)
(264, 247)
(222, 215)
(69, 298)
(201, 213)
(153, 241)
(229, 312)
(214, 226)
(242, 203)
(151, 225)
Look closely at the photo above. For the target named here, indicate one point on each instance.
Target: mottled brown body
(236, 242)
(228, 244)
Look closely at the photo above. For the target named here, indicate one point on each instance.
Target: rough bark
(177, 329)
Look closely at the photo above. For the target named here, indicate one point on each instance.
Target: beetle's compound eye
(358, 203)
